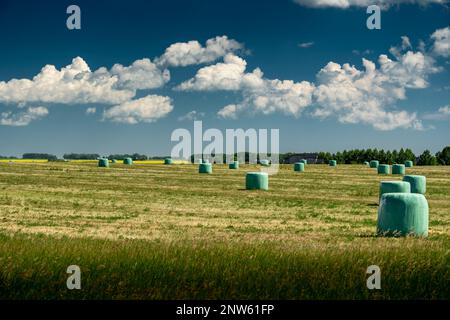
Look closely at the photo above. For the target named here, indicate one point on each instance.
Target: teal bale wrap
(402, 214)
(257, 181)
(418, 183)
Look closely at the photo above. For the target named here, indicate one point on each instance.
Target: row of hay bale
(104, 163)
(386, 169)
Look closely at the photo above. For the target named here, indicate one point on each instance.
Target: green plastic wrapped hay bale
(168, 161)
(402, 214)
(304, 161)
(374, 163)
(398, 169)
(113, 161)
(205, 168)
(205, 161)
(366, 163)
(332, 163)
(234, 165)
(383, 169)
(104, 163)
(257, 181)
(394, 187)
(299, 166)
(264, 162)
(128, 161)
(409, 164)
(418, 183)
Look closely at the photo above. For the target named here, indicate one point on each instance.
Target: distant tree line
(388, 157)
(39, 156)
(134, 156)
(345, 157)
(81, 156)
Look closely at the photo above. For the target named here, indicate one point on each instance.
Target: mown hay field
(167, 232)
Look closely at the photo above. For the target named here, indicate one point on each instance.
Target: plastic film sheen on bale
(304, 161)
(168, 161)
(257, 181)
(104, 163)
(398, 169)
(409, 164)
(264, 162)
(299, 166)
(383, 169)
(402, 214)
(366, 163)
(418, 183)
(234, 165)
(374, 163)
(394, 187)
(205, 168)
(332, 163)
(113, 161)
(128, 161)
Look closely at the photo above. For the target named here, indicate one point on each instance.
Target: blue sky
(301, 84)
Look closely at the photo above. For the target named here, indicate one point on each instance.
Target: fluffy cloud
(229, 112)
(77, 84)
(362, 96)
(441, 38)
(142, 74)
(262, 95)
(351, 95)
(22, 118)
(221, 76)
(344, 4)
(191, 116)
(192, 52)
(147, 109)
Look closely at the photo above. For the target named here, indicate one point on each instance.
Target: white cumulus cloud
(351, 95)
(147, 109)
(22, 118)
(77, 84)
(192, 52)
(441, 38)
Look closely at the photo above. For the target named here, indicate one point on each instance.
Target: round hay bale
(299, 166)
(374, 163)
(104, 163)
(402, 214)
(234, 165)
(418, 183)
(332, 163)
(409, 164)
(398, 169)
(394, 187)
(304, 161)
(113, 161)
(257, 181)
(205, 161)
(168, 161)
(366, 163)
(264, 162)
(128, 161)
(383, 169)
(205, 168)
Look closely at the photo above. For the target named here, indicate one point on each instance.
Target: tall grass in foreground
(34, 267)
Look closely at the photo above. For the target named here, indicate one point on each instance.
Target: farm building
(310, 157)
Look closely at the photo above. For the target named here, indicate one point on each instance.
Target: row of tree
(389, 157)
